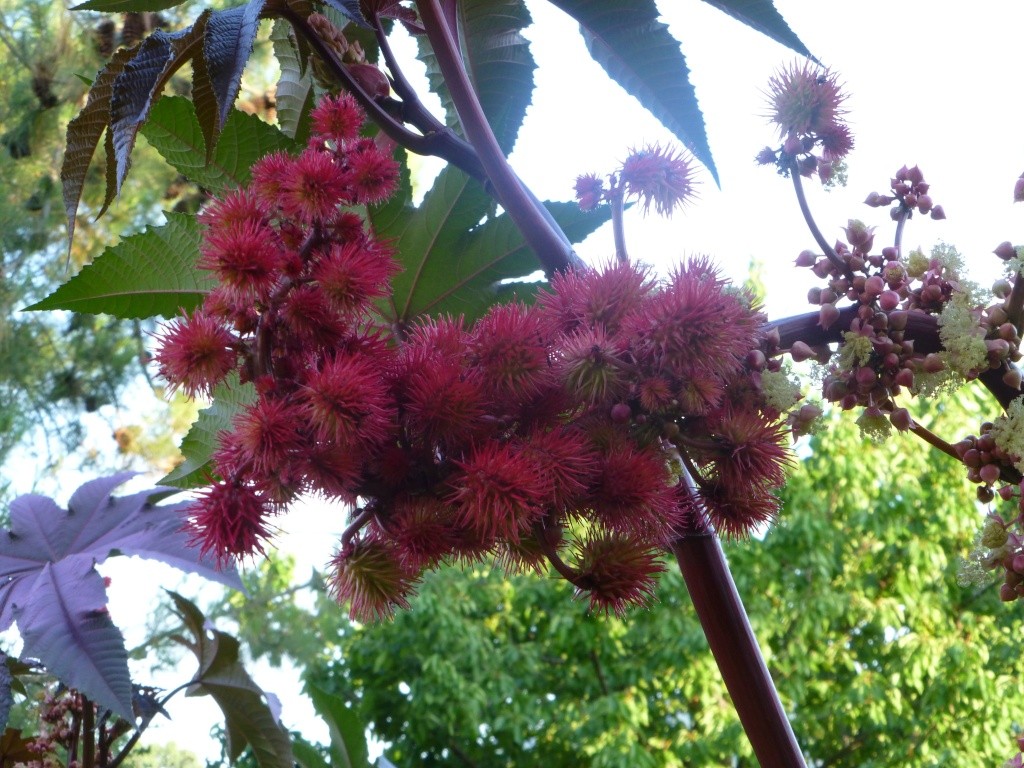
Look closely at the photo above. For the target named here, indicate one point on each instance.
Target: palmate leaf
(150, 274)
(248, 718)
(636, 50)
(498, 60)
(229, 399)
(763, 17)
(49, 586)
(174, 132)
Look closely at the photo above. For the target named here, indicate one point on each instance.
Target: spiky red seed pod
(752, 450)
(509, 348)
(196, 353)
(310, 319)
(595, 298)
(589, 191)
(500, 491)
(330, 472)
(422, 531)
(314, 188)
(245, 256)
(659, 175)
(267, 432)
(373, 176)
(240, 206)
(442, 402)
(347, 403)
(269, 175)
(337, 118)
(229, 520)
(632, 494)
(616, 572)
(370, 578)
(352, 274)
(805, 100)
(569, 458)
(736, 511)
(591, 367)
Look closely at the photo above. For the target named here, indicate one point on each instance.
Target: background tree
(854, 593)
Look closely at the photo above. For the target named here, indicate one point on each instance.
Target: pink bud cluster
(877, 362)
(553, 434)
(805, 104)
(910, 193)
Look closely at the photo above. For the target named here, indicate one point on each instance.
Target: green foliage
(152, 273)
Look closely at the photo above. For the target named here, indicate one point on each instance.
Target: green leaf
(174, 131)
(763, 17)
(637, 51)
(427, 240)
(126, 6)
(149, 274)
(248, 718)
(306, 755)
(498, 60)
(295, 92)
(496, 251)
(348, 740)
(229, 399)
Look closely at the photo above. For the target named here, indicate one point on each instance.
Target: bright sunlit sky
(934, 84)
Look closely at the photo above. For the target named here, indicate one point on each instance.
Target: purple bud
(874, 285)
(891, 252)
(937, 213)
(1018, 190)
(924, 203)
(621, 413)
(989, 474)
(905, 378)
(1012, 378)
(792, 145)
(806, 259)
(901, 419)
(914, 175)
(1005, 250)
(874, 200)
(933, 363)
(800, 351)
(756, 360)
(814, 295)
(827, 316)
(1001, 288)
(888, 300)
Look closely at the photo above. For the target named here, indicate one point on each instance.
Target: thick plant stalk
(727, 629)
(545, 238)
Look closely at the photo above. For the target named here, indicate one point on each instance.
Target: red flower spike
(337, 118)
(196, 353)
(347, 403)
(500, 491)
(314, 188)
(616, 573)
(632, 495)
(509, 349)
(369, 577)
(228, 520)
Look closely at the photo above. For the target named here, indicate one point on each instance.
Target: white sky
(929, 83)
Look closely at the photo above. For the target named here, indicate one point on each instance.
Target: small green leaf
(348, 740)
(174, 131)
(229, 399)
(149, 274)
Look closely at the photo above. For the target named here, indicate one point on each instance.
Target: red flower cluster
(538, 431)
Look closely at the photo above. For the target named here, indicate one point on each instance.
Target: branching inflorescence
(553, 433)
(913, 324)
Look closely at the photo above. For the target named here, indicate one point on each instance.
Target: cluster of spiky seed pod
(560, 429)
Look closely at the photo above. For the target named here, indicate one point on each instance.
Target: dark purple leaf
(227, 45)
(49, 586)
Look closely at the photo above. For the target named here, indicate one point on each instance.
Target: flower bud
(1018, 190)
(766, 156)
(756, 360)
(1001, 288)
(898, 320)
(1012, 378)
(827, 316)
(937, 213)
(888, 300)
(621, 413)
(822, 268)
(985, 494)
(800, 351)
(905, 378)
(891, 252)
(1005, 250)
(914, 175)
(989, 473)
(901, 419)
(814, 295)
(924, 203)
(1006, 593)
(874, 285)
(933, 363)
(806, 259)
